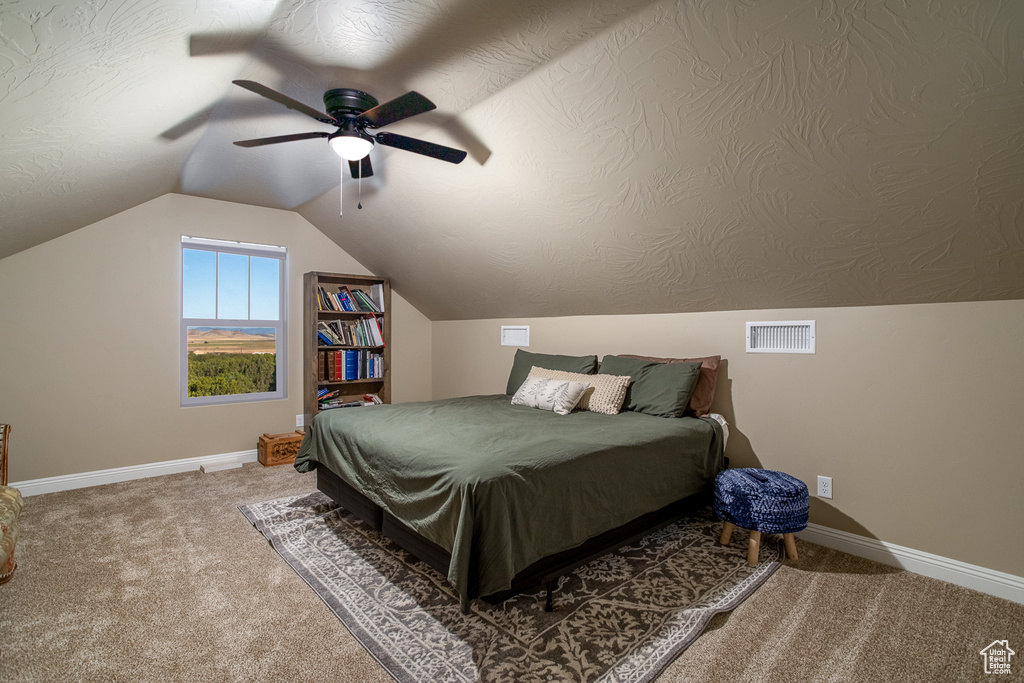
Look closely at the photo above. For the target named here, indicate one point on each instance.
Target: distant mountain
(217, 334)
(246, 330)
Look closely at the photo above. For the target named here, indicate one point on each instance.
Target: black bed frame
(545, 572)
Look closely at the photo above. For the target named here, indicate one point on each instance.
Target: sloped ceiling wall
(626, 156)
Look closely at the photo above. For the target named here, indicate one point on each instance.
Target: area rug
(623, 617)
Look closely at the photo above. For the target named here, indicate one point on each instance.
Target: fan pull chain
(341, 185)
(359, 205)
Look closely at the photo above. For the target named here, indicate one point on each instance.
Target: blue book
(351, 364)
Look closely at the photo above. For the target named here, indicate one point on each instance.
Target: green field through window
(224, 361)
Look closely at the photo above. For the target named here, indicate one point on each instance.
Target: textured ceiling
(625, 156)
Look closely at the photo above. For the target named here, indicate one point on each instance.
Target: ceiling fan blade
(423, 147)
(259, 142)
(263, 90)
(409, 104)
(353, 167)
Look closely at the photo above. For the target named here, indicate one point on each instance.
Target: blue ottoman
(762, 501)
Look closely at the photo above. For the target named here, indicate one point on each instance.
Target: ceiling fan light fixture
(351, 145)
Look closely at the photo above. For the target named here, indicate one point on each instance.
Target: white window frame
(280, 325)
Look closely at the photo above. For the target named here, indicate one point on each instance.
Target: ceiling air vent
(791, 336)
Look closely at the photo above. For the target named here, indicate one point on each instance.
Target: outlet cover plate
(824, 487)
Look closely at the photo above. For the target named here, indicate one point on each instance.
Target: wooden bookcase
(349, 389)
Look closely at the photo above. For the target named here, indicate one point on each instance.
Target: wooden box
(279, 449)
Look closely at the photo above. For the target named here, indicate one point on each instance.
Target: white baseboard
(972, 576)
(66, 482)
(989, 581)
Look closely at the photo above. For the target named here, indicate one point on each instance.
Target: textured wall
(86, 88)
(725, 155)
(913, 410)
(625, 155)
(89, 346)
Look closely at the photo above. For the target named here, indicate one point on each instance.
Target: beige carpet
(163, 580)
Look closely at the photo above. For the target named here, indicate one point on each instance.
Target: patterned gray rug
(623, 617)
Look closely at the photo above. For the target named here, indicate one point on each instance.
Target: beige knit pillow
(606, 392)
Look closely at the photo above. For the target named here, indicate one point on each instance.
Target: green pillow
(661, 389)
(525, 360)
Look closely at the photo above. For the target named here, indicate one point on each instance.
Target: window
(232, 322)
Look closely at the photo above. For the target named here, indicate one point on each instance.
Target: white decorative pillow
(605, 394)
(558, 396)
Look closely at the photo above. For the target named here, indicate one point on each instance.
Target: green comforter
(511, 484)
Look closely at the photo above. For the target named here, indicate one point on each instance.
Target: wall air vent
(515, 335)
(792, 336)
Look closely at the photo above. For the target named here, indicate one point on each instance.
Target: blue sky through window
(199, 284)
(233, 286)
(264, 291)
(245, 288)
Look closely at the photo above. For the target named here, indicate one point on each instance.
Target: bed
(499, 497)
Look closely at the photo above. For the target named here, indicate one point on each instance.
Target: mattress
(500, 486)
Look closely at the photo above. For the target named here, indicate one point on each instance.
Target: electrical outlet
(824, 487)
(300, 420)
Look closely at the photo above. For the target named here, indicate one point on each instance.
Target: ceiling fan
(353, 112)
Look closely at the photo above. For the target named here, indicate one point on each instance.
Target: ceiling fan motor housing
(342, 103)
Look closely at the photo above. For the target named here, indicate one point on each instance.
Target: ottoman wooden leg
(754, 548)
(791, 547)
(726, 533)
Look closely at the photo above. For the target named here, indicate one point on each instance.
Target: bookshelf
(360, 334)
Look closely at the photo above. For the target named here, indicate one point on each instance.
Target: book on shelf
(330, 405)
(326, 301)
(368, 331)
(341, 332)
(351, 299)
(364, 301)
(344, 300)
(325, 334)
(321, 300)
(325, 394)
(373, 325)
(333, 400)
(355, 334)
(377, 294)
(342, 365)
(351, 364)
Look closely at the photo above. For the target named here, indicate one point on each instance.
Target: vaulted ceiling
(624, 155)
